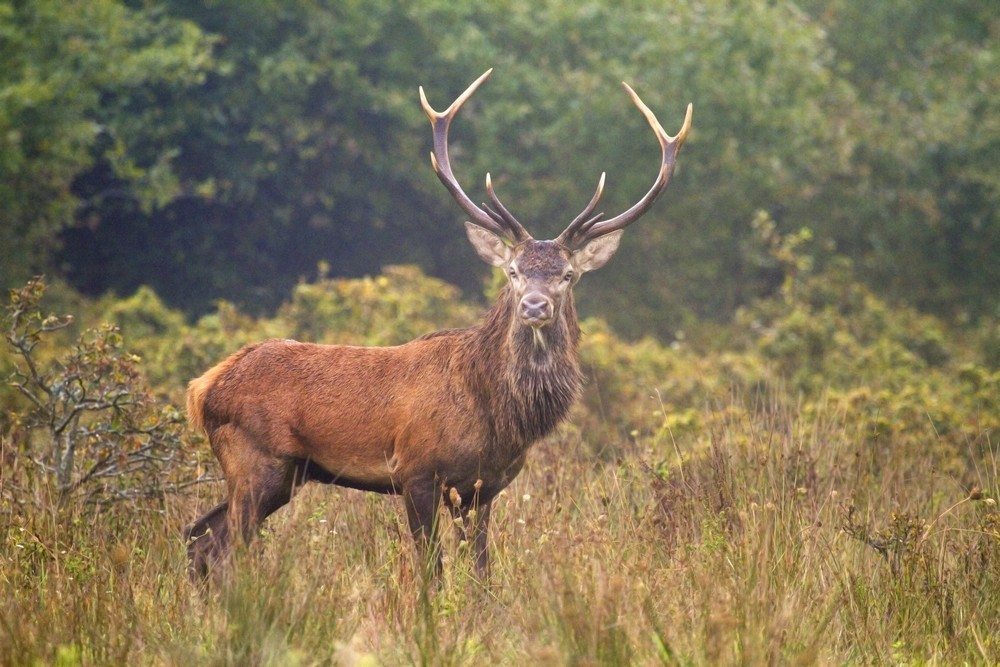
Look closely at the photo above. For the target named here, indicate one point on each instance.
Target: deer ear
(596, 254)
(488, 245)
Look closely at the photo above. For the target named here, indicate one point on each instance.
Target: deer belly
(356, 474)
(351, 454)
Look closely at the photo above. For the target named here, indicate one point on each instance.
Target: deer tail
(199, 387)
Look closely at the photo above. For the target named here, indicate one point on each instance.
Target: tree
(288, 133)
(83, 82)
(307, 143)
(920, 207)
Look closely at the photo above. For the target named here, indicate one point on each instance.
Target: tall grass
(778, 536)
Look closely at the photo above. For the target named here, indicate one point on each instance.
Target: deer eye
(512, 273)
(568, 277)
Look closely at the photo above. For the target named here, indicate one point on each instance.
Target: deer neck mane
(525, 380)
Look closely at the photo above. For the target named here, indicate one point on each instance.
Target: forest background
(794, 358)
(221, 150)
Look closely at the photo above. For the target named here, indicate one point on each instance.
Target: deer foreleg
(421, 500)
(471, 526)
(477, 522)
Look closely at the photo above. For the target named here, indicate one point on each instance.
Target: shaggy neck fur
(523, 385)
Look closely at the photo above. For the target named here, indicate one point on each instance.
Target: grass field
(817, 486)
(738, 554)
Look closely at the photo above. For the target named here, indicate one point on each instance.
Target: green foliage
(174, 352)
(222, 150)
(392, 308)
(84, 84)
(919, 214)
(826, 339)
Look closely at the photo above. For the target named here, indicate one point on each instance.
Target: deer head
(542, 273)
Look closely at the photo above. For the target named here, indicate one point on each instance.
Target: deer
(447, 418)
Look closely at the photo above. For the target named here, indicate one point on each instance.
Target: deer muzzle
(536, 309)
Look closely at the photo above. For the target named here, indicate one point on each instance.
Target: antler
(584, 229)
(498, 221)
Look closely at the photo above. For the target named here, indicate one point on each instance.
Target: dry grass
(738, 555)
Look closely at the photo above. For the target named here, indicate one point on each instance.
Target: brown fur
(456, 409)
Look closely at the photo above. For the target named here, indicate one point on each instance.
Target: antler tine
(581, 220)
(515, 227)
(506, 226)
(669, 147)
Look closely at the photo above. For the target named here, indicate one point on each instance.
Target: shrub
(90, 429)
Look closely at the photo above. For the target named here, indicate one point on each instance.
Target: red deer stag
(449, 416)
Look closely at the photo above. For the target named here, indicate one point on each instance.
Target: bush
(392, 308)
(90, 429)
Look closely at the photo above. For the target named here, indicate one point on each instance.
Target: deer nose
(536, 309)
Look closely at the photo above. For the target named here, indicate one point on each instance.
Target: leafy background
(221, 150)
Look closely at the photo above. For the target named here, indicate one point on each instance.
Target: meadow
(811, 483)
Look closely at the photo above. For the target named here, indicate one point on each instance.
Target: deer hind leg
(259, 483)
(207, 542)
